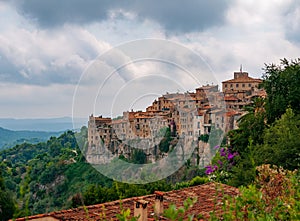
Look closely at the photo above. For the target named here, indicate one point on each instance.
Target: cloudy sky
(57, 57)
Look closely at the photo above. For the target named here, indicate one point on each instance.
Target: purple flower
(222, 152)
(217, 147)
(209, 170)
(230, 156)
(220, 162)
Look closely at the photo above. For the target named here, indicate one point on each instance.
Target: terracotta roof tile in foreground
(209, 198)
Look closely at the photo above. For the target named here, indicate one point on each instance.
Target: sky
(74, 58)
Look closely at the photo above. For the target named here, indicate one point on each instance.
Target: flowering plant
(220, 168)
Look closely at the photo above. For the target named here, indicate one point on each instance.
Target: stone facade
(188, 115)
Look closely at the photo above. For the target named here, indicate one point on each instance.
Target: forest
(53, 175)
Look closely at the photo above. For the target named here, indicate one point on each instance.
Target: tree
(7, 206)
(243, 140)
(281, 83)
(139, 157)
(281, 145)
(251, 127)
(165, 135)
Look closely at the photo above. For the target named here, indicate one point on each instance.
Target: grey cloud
(184, 16)
(292, 24)
(13, 73)
(175, 16)
(8, 71)
(51, 13)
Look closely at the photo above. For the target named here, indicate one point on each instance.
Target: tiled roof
(244, 80)
(209, 198)
(230, 98)
(232, 113)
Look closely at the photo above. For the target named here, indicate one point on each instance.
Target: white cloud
(55, 56)
(254, 34)
(48, 56)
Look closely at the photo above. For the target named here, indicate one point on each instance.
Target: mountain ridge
(42, 124)
(10, 138)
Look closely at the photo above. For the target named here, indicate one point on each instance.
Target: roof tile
(205, 194)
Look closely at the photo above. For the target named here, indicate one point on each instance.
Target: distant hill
(48, 173)
(9, 138)
(48, 124)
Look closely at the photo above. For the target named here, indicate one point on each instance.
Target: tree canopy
(281, 83)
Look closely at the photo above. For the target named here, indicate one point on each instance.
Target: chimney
(159, 203)
(140, 210)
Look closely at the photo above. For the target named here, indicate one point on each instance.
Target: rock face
(197, 152)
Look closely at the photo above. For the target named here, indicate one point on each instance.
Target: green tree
(281, 145)
(251, 127)
(244, 139)
(139, 157)
(164, 144)
(7, 205)
(281, 83)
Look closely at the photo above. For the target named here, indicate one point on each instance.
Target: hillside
(54, 175)
(45, 176)
(9, 138)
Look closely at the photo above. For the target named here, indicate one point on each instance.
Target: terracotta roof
(230, 98)
(243, 80)
(209, 197)
(118, 121)
(232, 113)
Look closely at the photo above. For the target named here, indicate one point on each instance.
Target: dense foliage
(274, 195)
(45, 176)
(54, 175)
(281, 83)
(7, 206)
(269, 132)
(38, 178)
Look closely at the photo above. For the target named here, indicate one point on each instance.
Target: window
(243, 85)
(237, 85)
(225, 85)
(249, 85)
(231, 85)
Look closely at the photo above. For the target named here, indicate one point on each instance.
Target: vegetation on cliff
(53, 175)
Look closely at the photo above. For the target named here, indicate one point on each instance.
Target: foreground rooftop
(209, 198)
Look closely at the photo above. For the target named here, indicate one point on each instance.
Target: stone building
(239, 91)
(241, 85)
(188, 115)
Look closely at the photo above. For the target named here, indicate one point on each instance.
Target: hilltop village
(187, 115)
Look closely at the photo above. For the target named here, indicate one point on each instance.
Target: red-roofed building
(241, 81)
(150, 207)
(239, 90)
